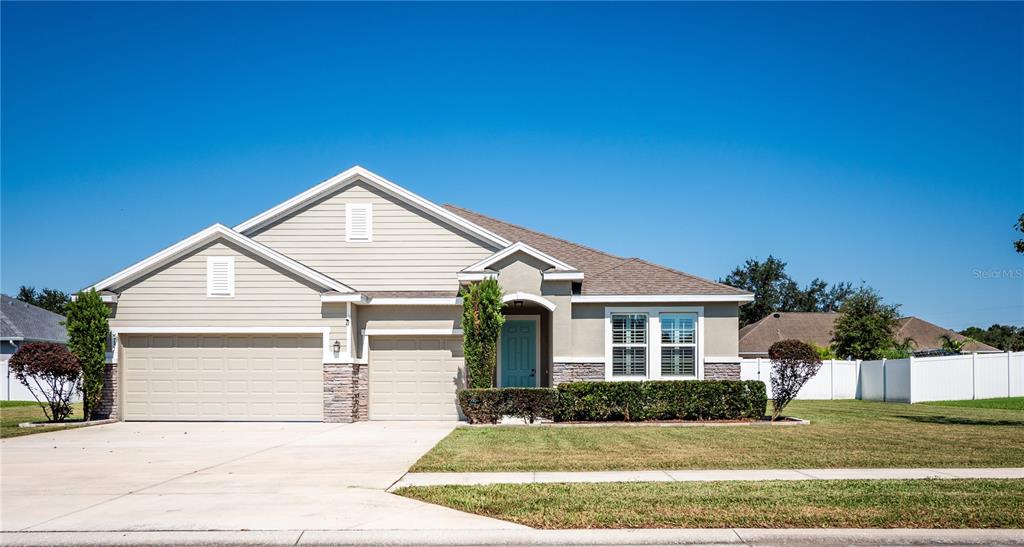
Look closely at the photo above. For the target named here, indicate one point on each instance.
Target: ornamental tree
(481, 325)
(50, 372)
(88, 331)
(793, 364)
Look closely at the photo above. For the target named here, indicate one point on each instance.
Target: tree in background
(775, 291)
(866, 329)
(49, 299)
(50, 372)
(88, 331)
(793, 364)
(1004, 337)
(481, 325)
(1019, 244)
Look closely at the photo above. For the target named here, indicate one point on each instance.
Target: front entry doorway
(518, 354)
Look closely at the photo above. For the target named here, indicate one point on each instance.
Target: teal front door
(518, 353)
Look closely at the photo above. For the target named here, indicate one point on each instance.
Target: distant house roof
(756, 338)
(605, 274)
(928, 336)
(22, 321)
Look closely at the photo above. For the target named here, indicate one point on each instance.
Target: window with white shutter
(679, 344)
(359, 222)
(220, 276)
(629, 344)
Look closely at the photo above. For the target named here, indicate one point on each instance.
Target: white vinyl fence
(911, 380)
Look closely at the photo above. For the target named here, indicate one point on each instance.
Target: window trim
(349, 207)
(646, 345)
(210, 261)
(653, 341)
(693, 345)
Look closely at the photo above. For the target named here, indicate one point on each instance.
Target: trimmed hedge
(490, 404)
(661, 400)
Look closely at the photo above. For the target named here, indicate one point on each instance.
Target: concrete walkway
(431, 538)
(528, 477)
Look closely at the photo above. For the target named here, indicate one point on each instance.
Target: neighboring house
(21, 323)
(756, 338)
(341, 304)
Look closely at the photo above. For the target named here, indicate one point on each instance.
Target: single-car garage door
(415, 378)
(222, 377)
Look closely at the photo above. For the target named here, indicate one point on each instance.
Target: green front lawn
(13, 413)
(1005, 403)
(771, 504)
(841, 434)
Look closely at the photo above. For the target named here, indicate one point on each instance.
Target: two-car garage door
(222, 377)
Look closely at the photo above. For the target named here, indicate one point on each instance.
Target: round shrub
(793, 364)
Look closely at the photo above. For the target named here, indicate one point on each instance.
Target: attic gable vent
(220, 276)
(359, 222)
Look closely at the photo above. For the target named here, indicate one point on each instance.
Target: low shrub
(661, 400)
(490, 404)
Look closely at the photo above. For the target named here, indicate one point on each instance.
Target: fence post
(974, 376)
(885, 380)
(831, 379)
(910, 379)
(1007, 374)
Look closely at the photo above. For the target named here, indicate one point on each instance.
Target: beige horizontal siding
(409, 251)
(265, 296)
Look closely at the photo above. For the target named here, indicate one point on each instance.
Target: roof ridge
(531, 230)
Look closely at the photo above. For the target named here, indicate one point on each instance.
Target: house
(813, 327)
(341, 304)
(20, 323)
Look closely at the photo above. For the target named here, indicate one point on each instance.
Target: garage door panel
(222, 377)
(415, 378)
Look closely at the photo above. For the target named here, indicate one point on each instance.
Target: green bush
(661, 400)
(488, 405)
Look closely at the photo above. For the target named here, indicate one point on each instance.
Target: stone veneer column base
(108, 399)
(562, 373)
(721, 371)
(346, 392)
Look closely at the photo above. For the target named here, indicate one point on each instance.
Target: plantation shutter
(629, 344)
(358, 222)
(220, 276)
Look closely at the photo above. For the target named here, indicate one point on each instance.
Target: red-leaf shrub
(793, 364)
(51, 373)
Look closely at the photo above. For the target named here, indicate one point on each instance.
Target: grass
(770, 504)
(841, 434)
(13, 413)
(1005, 403)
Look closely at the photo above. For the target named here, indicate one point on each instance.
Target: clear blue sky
(881, 143)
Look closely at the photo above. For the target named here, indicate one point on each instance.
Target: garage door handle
(533, 372)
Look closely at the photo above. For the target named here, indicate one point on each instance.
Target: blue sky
(881, 143)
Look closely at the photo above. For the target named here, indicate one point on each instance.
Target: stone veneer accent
(562, 373)
(346, 392)
(721, 371)
(108, 399)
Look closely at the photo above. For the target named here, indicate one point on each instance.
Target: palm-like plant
(954, 345)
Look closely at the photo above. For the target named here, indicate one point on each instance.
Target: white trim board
(722, 360)
(325, 332)
(476, 276)
(412, 332)
(431, 301)
(518, 247)
(358, 173)
(213, 233)
(580, 360)
(668, 298)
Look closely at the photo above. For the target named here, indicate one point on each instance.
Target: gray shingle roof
(19, 320)
(604, 273)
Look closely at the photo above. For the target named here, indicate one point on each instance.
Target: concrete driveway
(221, 476)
